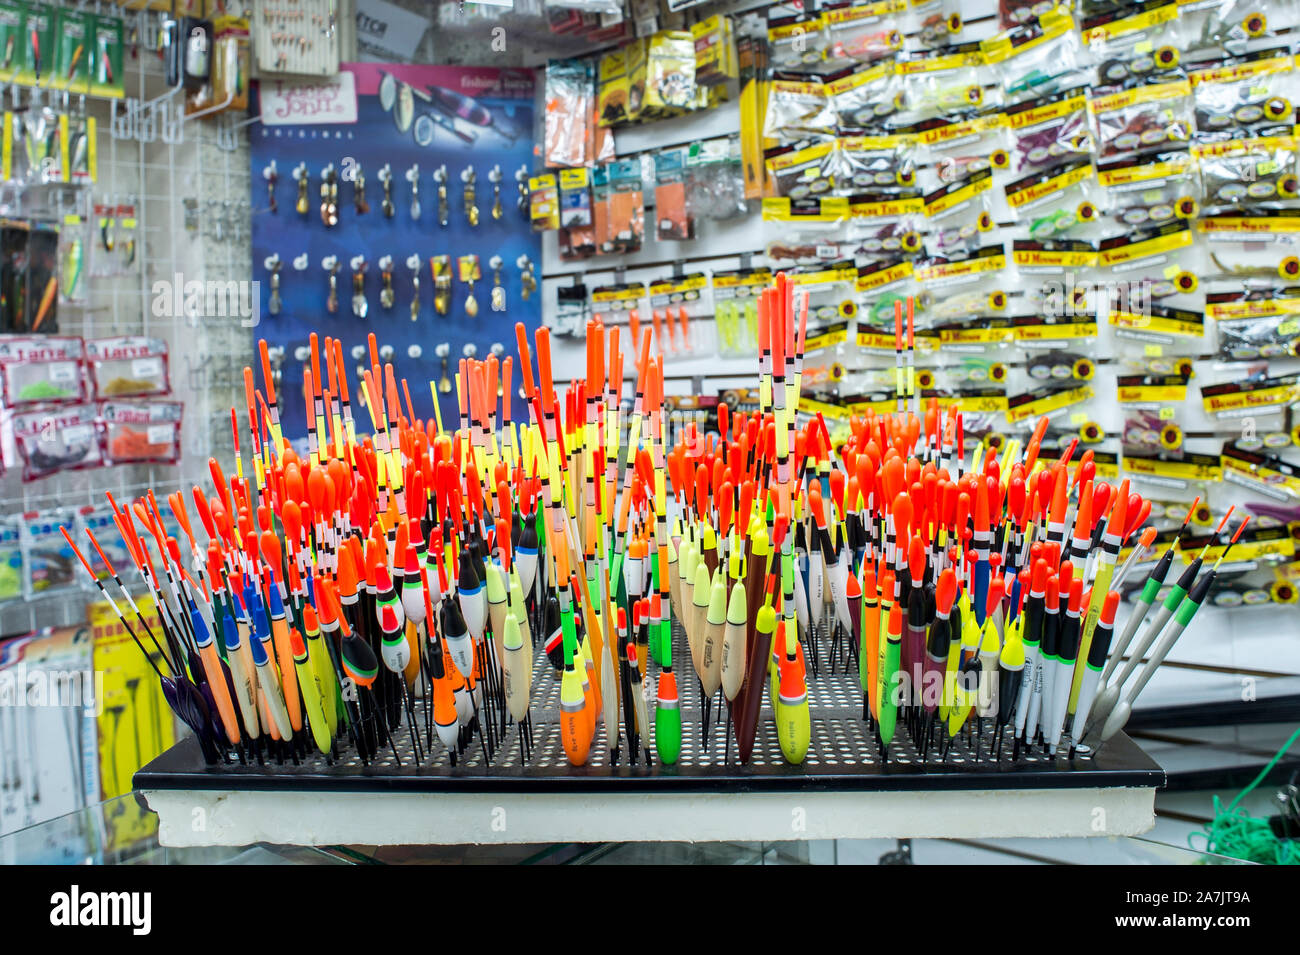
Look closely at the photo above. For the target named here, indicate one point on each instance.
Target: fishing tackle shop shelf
(843, 789)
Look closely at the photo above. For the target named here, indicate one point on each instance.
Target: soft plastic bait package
(884, 237)
(1248, 172)
(865, 97)
(1037, 57)
(797, 106)
(1239, 21)
(987, 299)
(875, 164)
(1157, 113)
(715, 179)
(936, 24)
(1049, 129)
(1258, 337)
(804, 168)
(1153, 205)
(43, 369)
(861, 33)
(1056, 202)
(128, 365)
(942, 92)
(138, 432)
(796, 41)
(1244, 96)
(11, 560)
(64, 438)
(49, 564)
(959, 239)
(570, 111)
(1153, 430)
(944, 140)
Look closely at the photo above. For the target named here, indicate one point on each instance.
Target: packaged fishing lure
(945, 83)
(11, 559)
(882, 165)
(861, 32)
(12, 18)
(1049, 129)
(865, 97)
(114, 240)
(1259, 337)
(672, 221)
(1113, 28)
(1244, 96)
(1150, 429)
(44, 369)
(626, 207)
(798, 106)
(83, 162)
(72, 259)
(796, 41)
(1240, 21)
(1155, 113)
(129, 365)
(62, 438)
(1038, 57)
(73, 50)
(49, 565)
(884, 226)
(29, 277)
(1245, 173)
(1150, 188)
(735, 309)
(138, 432)
(943, 140)
(577, 232)
(715, 179)
(669, 86)
(803, 168)
(544, 202)
(956, 208)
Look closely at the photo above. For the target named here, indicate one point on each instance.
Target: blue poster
(373, 248)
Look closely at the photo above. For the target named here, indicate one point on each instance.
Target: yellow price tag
(1143, 47)
(1289, 327)
(1154, 351)
(1078, 418)
(1166, 414)
(1172, 270)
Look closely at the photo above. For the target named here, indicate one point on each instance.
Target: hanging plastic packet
(49, 564)
(571, 311)
(65, 438)
(128, 365)
(716, 59)
(945, 140)
(1151, 110)
(1255, 322)
(1243, 96)
(672, 221)
(11, 559)
(874, 164)
(138, 432)
(715, 181)
(544, 202)
(958, 205)
(1113, 28)
(1150, 188)
(1237, 22)
(83, 161)
(1245, 173)
(612, 88)
(798, 105)
(600, 208)
(41, 143)
(1038, 57)
(1056, 201)
(943, 83)
(984, 268)
(1158, 327)
(619, 304)
(1014, 12)
(231, 63)
(72, 260)
(45, 369)
(796, 41)
(884, 226)
(670, 87)
(865, 97)
(675, 303)
(1049, 129)
(803, 168)
(29, 275)
(735, 309)
(626, 207)
(1150, 430)
(577, 231)
(861, 32)
(936, 24)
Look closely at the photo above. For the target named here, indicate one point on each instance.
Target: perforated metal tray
(842, 756)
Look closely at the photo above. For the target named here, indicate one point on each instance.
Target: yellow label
(1045, 114)
(943, 270)
(1179, 470)
(1235, 72)
(1049, 403)
(1156, 93)
(1248, 225)
(1257, 308)
(1133, 24)
(7, 148)
(971, 127)
(1039, 190)
(1160, 324)
(950, 200)
(887, 208)
(883, 277)
(1057, 332)
(1243, 147)
(829, 209)
(1053, 258)
(1262, 474)
(1142, 393)
(1147, 248)
(940, 64)
(1238, 400)
(866, 11)
(574, 178)
(860, 78)
(1054, 23)
(1154, 170)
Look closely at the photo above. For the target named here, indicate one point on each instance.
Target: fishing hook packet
(1037, 57)
(1244, 96)
(63, 438)
(128, 365)
(865, 97)
(861, 32)
(141, 432)
(1049, 129)
(41, 369)
(1246, 173)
